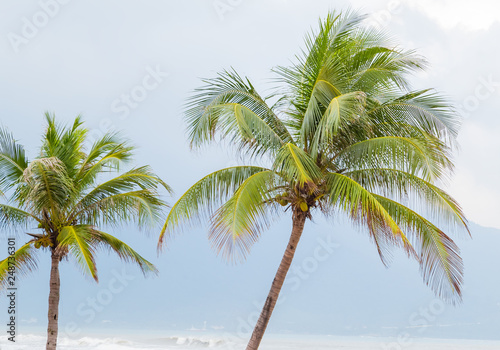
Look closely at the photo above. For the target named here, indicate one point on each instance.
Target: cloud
(462, 13)
(475, 185)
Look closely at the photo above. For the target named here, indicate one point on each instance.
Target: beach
(271, 342)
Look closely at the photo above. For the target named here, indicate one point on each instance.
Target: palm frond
(12, 217)
(423, 109)
(363, 208)
(340, 111)
(425, 157)
(106, 154)
(377, 69)
(77, 240)
(231, 108)
(23, 260)
(201, 199)
(64, 143)
(317, 74)
(237, 224)
(143, 207)
(124, 251)
(440, 261)
(402, 186)
(136, 178)
(46, 187)
(13, 161)
(296, 166)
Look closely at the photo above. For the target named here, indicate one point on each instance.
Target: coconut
(303, 206)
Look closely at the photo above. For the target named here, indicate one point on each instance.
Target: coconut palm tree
(59, 192)
(343, 135)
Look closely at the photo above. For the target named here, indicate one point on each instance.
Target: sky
(130, 65)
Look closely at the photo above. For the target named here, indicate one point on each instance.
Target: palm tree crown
(343, 134)
(59, 192)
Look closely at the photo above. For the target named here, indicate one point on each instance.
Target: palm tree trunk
(55, 285)
(299, 220)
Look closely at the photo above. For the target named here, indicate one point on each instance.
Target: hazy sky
(129, 65)
(87, 54)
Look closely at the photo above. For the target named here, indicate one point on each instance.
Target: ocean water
(271, 342)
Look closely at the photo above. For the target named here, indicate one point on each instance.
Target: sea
(228, 342)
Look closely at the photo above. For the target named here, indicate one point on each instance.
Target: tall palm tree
(59, 192)
(345, 135)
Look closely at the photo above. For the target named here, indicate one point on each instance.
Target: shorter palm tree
(58, 192)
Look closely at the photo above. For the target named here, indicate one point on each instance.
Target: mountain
(337, 285)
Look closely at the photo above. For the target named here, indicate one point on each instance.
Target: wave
(219, 342)
(193, 341)
(37, 342)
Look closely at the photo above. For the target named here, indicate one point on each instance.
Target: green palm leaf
(440, 262)
(124, 251)
(24, 260)
(46, 186)
(296, 166)
(230, 107)
(106, 154)
(201, 199)
(340, 111)
(237, 224)
(363, 208)
(425, 157)
(424, 109)
(77, 240)
(401, 185)
(136, 178)
(140, 206)
(64, 143)
(375, 68)
(12, 217)
(13, 161)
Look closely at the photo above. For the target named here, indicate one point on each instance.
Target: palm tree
(59, 191)
(345, 135)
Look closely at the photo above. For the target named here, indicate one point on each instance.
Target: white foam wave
(37, 342)
(199, 342)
